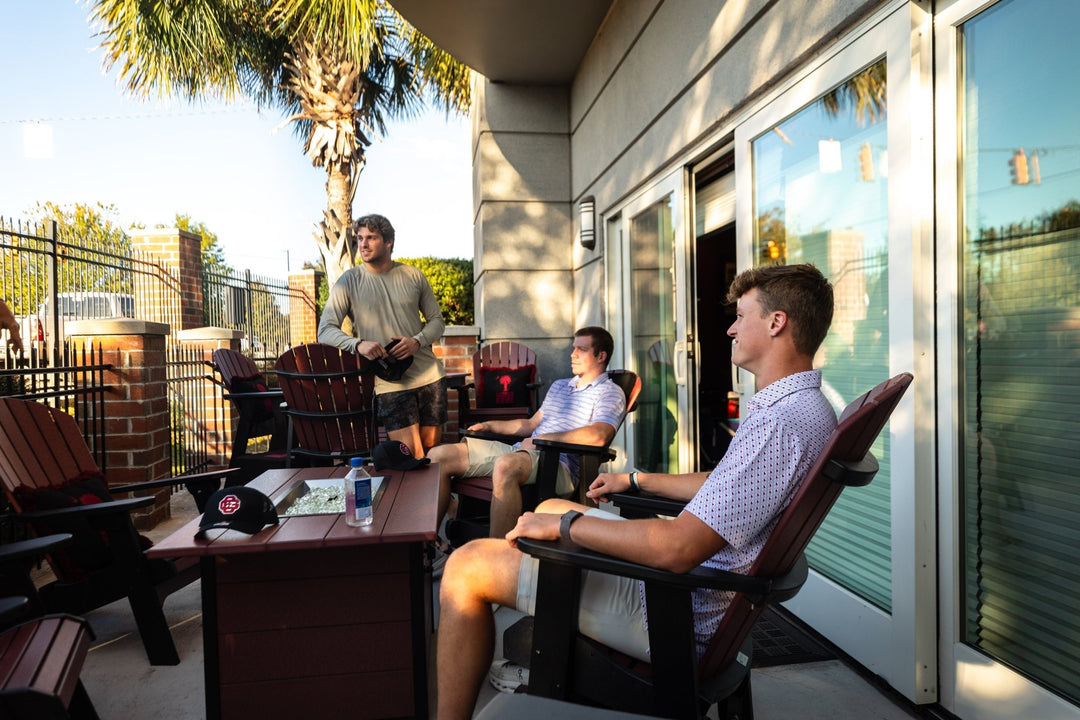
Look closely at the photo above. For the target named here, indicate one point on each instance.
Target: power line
(131, 116)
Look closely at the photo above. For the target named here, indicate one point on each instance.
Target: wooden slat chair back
(487, 362)
(40, 662)
(330, 403)
(258, 414)
(42, 449)
(837, 467)
(232, 365)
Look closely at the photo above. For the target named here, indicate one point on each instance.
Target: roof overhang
(528, 42)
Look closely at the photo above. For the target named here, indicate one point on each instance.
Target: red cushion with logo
(505, 387)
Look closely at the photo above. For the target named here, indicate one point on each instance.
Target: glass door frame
(972, 684)
(619, 293)
(899, 646)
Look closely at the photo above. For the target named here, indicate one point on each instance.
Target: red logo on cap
(229, 504)
(404, 449)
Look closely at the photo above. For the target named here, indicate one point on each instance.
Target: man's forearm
(598, 434)
(674, 487)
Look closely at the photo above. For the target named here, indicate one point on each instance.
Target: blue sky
(222, 165)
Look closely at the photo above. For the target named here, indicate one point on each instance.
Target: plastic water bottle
(358, 511)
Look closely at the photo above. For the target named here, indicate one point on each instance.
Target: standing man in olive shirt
(384, 300)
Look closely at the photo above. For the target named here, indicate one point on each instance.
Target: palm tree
(340, 69)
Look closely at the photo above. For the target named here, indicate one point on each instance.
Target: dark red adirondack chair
(258, 410)
(505, 384)
(53, 484)
(566, 665)
(474, 494)
(329, 397)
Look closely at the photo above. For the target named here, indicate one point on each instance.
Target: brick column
(456, 349)
(222, 419)
(303, 317)
(181, 252)
(136, 406)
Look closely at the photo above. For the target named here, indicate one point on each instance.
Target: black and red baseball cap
(237, 508)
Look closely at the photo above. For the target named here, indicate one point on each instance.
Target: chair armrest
(103, 509)
(602, 451)
(275, 394)
(642, 504)
(33, 548)
(566, 553)
(193, 478)
(12, 608)
(498, 437)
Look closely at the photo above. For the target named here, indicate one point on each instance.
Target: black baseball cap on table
(237, 508)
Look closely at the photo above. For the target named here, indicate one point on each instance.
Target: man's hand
(606, 484)
(405, 347)
(480, 427)
(370, 349)
(538, 526)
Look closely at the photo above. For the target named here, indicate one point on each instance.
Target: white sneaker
(438, 562)
(507, 677)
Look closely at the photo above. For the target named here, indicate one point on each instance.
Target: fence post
(136, 405)
(52, 318)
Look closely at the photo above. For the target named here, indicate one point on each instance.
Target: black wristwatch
(564, 525)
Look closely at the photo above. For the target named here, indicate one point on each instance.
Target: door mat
(779, 640)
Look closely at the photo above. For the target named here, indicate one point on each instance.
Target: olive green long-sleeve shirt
(382, 306)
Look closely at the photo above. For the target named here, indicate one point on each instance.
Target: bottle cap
(356, 462)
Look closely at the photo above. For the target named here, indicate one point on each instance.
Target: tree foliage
(339, 69)
(452, 282)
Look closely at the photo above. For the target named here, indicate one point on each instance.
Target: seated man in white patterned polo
(586, 409)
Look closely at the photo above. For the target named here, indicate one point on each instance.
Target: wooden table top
(406, 513)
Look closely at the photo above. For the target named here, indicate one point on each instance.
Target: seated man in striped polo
(586, 409)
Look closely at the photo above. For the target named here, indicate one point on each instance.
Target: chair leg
(81, 708)
(739, 705)
(153, 627)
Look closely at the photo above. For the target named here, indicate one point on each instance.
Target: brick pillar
(181, 252)
(136, 406)
(222, 418)
(303, 317)
(456, 349)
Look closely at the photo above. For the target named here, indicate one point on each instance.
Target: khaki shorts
(610, 607)
(483, 453)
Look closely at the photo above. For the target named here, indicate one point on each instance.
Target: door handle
(679, 362)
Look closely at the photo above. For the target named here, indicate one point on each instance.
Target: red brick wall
(303, 317)
(181, 253)
(137, 409)
(456, 349)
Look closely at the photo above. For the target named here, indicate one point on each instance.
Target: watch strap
(567, 520)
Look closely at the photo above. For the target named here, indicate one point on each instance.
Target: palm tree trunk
(334, 239)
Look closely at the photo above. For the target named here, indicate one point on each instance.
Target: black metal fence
(48, 280)
(258, 306)
(74, 383)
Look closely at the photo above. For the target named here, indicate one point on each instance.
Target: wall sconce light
(587, 214)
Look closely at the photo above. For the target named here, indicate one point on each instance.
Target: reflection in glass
(652, 253)
(1021, 339)
(820, 196)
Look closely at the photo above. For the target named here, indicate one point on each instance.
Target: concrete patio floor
(122, 684)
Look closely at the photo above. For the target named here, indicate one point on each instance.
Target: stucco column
(523, 226)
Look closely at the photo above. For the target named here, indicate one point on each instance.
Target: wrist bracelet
(633, 481)
(564, 524)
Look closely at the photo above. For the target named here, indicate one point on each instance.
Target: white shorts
(610, 607)
(482, 455)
